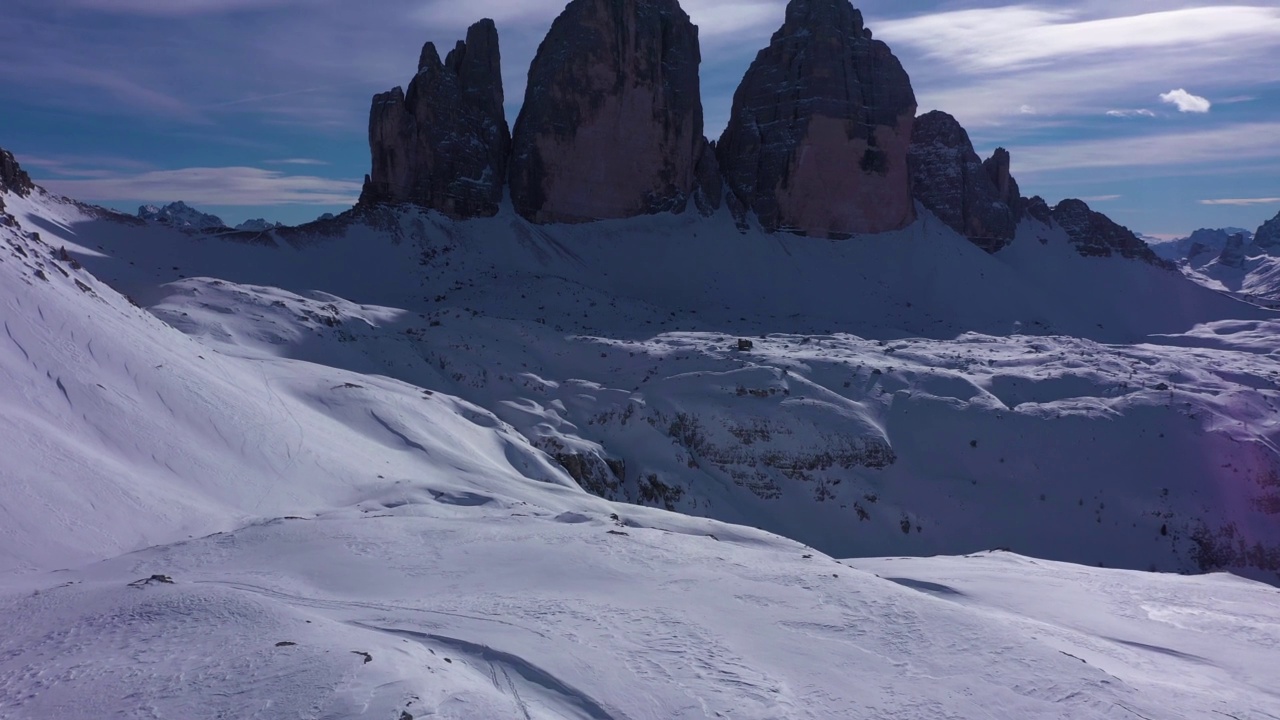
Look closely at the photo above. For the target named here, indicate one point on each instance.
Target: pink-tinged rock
(611, 125)
(818, 137)
(444, 144)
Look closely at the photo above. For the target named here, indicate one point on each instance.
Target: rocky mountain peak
(611, 125)
(429, 58)
(12, 177)
(977, 199)
(444, 143)
(1096, 235)
(1267, 238)
(818, 136)
(1233, 252)
(258, 225)
(181, 216)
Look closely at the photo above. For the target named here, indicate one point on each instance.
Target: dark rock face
(12, 177)
(1007, 191)
(444, 144)
(1096, 235)
(974, 198)
(1200, 253)
(612, 120)
(1037, 209)
(1201, 247)
(1233, 252)
(817, 140)
(1267, 239)
(709, 192)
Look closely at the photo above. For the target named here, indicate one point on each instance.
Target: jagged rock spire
(444, 144)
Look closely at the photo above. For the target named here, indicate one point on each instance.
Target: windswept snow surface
(315, 478)
(905, 393)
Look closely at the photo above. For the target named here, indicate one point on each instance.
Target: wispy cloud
(1186, 102)
(210, 186)
(176, 7)
(1101, 198)
(1131, 113)
(1077, 59)
(297, 161)
(263, 98)
(1219, 146)
(83, 166)
(1242, 202)
(1024, 36)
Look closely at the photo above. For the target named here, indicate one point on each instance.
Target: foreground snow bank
(451, 609)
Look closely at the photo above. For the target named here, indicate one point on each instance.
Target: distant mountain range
(1231, 259)
(183, 217)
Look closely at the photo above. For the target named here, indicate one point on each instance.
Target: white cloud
(1130, 113)
(1186, 102)
(1101, 198)
(1077, 60)
(1242, 202)
(298, 161)
(1022, 36)
(211, 186)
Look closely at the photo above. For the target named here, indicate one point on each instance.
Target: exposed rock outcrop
(817, 140)
(12, 177)
(1200, 248)
(1096, 235)
(611, 125)
(1232, 254)
(709, 188)
(444, 144)
(1267, 239)
(1035, 207)
(976, 199)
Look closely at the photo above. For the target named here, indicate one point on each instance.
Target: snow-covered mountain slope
(1256, 277)
(903, 394)
(110, 416)
(1244, 270)
(276, 537)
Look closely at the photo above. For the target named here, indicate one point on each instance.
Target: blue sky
(1163, 114)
